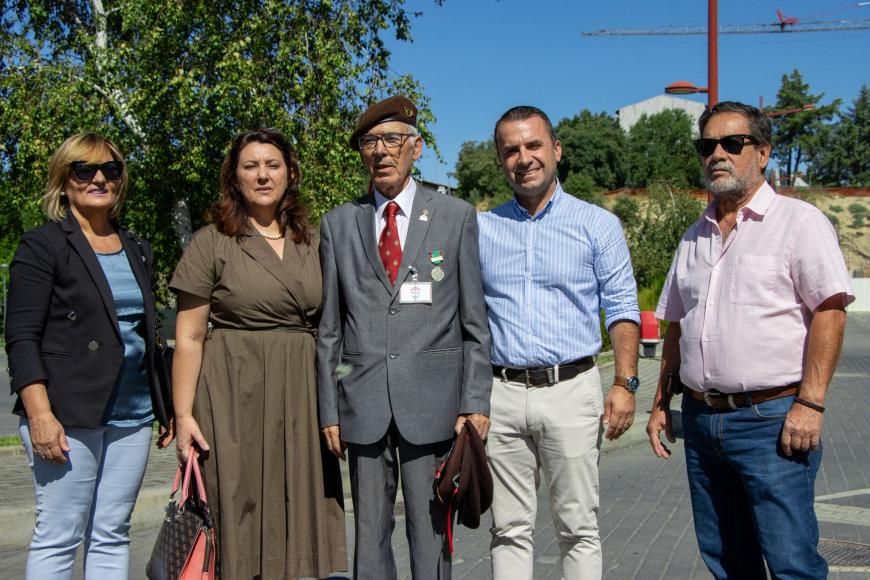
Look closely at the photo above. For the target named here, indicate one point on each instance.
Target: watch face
(632, 383)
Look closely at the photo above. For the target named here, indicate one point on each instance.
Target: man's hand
(480, 422)
(618, 411)
(802, 430)
(660, 420)
(332, 436)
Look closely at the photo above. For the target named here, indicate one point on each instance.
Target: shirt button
(393, 355)
(93, 345)
(393, 310)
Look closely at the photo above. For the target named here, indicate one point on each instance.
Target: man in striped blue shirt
(550, 263)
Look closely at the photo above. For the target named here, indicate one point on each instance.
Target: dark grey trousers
(374, 477)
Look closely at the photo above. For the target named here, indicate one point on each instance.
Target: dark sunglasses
(85, 171)
(732, 144)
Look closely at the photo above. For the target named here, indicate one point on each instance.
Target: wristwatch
(631, 383)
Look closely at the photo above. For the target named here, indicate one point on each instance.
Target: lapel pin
(424, 217)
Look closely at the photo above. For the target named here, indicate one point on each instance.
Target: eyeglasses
(85, 171)
(368, 141)
(732, 144)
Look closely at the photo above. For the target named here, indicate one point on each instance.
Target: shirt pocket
(754, 280)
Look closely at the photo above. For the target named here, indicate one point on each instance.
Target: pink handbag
(185, 548)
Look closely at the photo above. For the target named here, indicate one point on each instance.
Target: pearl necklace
(270, 236)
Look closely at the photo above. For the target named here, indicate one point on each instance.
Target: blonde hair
(88, 147)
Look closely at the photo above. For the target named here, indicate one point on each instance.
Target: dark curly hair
(230, 215)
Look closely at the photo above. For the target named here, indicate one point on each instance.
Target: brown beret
(396, 108)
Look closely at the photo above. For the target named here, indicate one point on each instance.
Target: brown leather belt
(545, 376)
(719, 400)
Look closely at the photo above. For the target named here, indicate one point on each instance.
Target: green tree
(660, 151)
(592, 145)
(653, 235)
(797, 133)
(171, 82)
(583, 187)
(478, 175)
(841, 153)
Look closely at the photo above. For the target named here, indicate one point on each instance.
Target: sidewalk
(645, 517)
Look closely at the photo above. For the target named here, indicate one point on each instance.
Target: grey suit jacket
(419, 364)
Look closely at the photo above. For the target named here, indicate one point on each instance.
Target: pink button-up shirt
(744, 305)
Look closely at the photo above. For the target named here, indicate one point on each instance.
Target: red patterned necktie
(389, 246)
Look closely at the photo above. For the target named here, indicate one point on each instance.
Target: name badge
(415, 293)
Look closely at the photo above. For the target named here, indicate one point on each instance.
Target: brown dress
(274, 489)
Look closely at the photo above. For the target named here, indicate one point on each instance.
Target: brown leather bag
(463, 482)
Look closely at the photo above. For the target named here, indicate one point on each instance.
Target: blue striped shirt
(546, 277)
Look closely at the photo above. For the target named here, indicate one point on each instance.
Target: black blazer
(62, 327)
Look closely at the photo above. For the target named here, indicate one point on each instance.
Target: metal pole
(712, 53)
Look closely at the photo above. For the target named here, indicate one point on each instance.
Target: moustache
(720, 166)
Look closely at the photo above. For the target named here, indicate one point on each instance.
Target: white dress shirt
(405, 199)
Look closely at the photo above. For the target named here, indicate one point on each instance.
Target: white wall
(861, 287)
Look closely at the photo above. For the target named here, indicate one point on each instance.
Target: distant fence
(861, 287)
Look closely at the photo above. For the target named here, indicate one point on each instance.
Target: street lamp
(712, 88)
(684, 88)
(790, 111)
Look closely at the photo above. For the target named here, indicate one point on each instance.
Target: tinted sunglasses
(732, 144)
(85, 171)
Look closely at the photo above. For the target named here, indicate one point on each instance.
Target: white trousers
(89, 498)
(555, 430)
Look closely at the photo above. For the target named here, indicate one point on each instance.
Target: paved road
(646, 519)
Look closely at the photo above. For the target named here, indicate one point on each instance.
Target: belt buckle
(708, 399)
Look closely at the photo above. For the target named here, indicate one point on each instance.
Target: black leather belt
(545, 376)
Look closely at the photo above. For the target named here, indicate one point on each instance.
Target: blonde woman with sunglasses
(80, 335)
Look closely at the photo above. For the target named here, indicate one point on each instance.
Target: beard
(731, 188)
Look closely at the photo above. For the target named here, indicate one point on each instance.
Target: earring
(63, 194)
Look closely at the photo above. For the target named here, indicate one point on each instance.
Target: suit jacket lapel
(79, 242)
(417, 229)
(365, 221)
(287, 272)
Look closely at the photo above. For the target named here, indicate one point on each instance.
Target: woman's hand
(47, 438)
(187, 434)
(165, 435)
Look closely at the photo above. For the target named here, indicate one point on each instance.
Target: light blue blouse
(130, 403)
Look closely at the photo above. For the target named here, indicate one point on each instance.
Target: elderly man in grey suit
(403, 348)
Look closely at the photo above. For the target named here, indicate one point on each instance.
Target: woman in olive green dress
(249, 293)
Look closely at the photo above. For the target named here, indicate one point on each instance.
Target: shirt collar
(758, 205)
(554, 200)
(405, 199)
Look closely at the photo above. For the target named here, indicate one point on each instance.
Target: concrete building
(631, 114)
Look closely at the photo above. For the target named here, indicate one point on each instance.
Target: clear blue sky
(477, 58)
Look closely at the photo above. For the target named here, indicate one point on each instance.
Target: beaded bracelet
(812, 406)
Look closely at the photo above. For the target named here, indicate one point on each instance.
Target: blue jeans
(752, 504)
(90, 498)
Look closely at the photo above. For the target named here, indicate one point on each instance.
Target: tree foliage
(171, 82)
(593, 145)
(478, 175)
(797, 133)
(654, 232)
(841, 153)
(660, 151)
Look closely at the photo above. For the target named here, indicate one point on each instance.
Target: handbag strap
(191, 468)
(176, 484)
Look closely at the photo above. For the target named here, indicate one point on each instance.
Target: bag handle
(192, 468)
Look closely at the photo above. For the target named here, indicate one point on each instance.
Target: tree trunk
(181, 222)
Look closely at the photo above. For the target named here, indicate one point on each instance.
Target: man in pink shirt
(755, 301)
